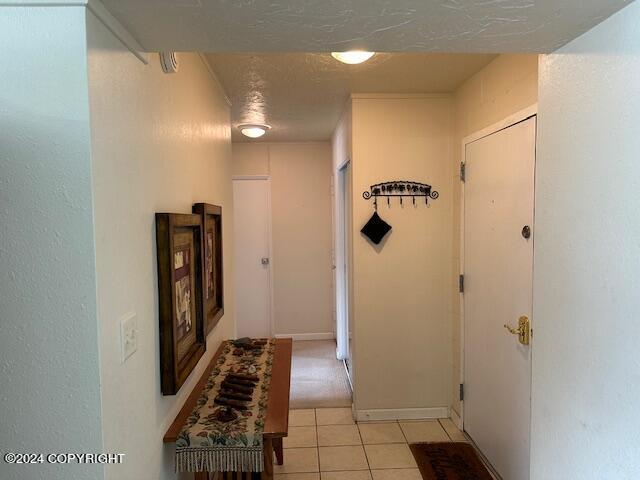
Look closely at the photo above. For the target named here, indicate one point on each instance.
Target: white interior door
(252, 240)
(342, 265)
(498, 269)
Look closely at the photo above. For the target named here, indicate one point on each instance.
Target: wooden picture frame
(179, 256)
(212, 272)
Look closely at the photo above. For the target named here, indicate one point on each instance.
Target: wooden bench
(276, 424)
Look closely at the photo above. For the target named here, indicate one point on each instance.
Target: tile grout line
(406, 440)
(445, 430)
(364, 450)
(315, 421)
(403, 434)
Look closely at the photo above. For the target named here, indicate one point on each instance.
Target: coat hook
(400, 189)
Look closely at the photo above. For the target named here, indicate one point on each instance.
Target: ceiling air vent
(169, 62)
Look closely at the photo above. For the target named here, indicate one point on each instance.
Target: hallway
(318, 379)
(423, 184)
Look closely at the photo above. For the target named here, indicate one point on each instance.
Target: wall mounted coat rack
(400, 189)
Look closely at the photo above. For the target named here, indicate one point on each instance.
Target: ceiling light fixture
(253, 130)
(352, 57)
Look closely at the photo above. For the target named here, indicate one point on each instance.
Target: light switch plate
(128, 334)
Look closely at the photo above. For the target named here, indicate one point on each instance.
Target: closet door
(252, 252)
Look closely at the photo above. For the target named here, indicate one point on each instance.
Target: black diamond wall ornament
(376, 228)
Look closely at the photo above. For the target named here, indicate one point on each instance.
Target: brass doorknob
(523, 331)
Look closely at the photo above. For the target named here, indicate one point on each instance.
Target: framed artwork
(212, 281)
(179, 256)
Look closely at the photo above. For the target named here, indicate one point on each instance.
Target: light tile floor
(326, 444)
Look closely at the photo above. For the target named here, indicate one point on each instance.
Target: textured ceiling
(301, 95)
(464, 26)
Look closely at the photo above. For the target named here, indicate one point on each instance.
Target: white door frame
(509, 121)
(340, 253)
(267, 178)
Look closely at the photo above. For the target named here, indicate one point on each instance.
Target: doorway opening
(395, 299)
(283, 285)
(321, 369)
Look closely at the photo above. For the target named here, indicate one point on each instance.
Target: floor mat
(318, 379)
(449, 461)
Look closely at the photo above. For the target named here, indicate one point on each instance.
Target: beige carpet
(318, 379)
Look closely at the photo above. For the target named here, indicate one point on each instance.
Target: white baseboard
(307, 336)
(402, 414)
(455, 418)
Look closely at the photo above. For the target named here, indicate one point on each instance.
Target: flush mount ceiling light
(253, 130)
(352, 57)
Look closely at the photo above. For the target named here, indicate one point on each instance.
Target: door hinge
(461, 283)
(463, 171)
(462, 392)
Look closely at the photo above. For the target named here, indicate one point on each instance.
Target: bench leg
(267, 473)
(277, 447)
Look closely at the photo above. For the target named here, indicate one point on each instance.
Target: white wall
(251, 159)
(586, 361)
(301, 230)
(160, 143)
(401, 288)
(505, 86)
(49, 365)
